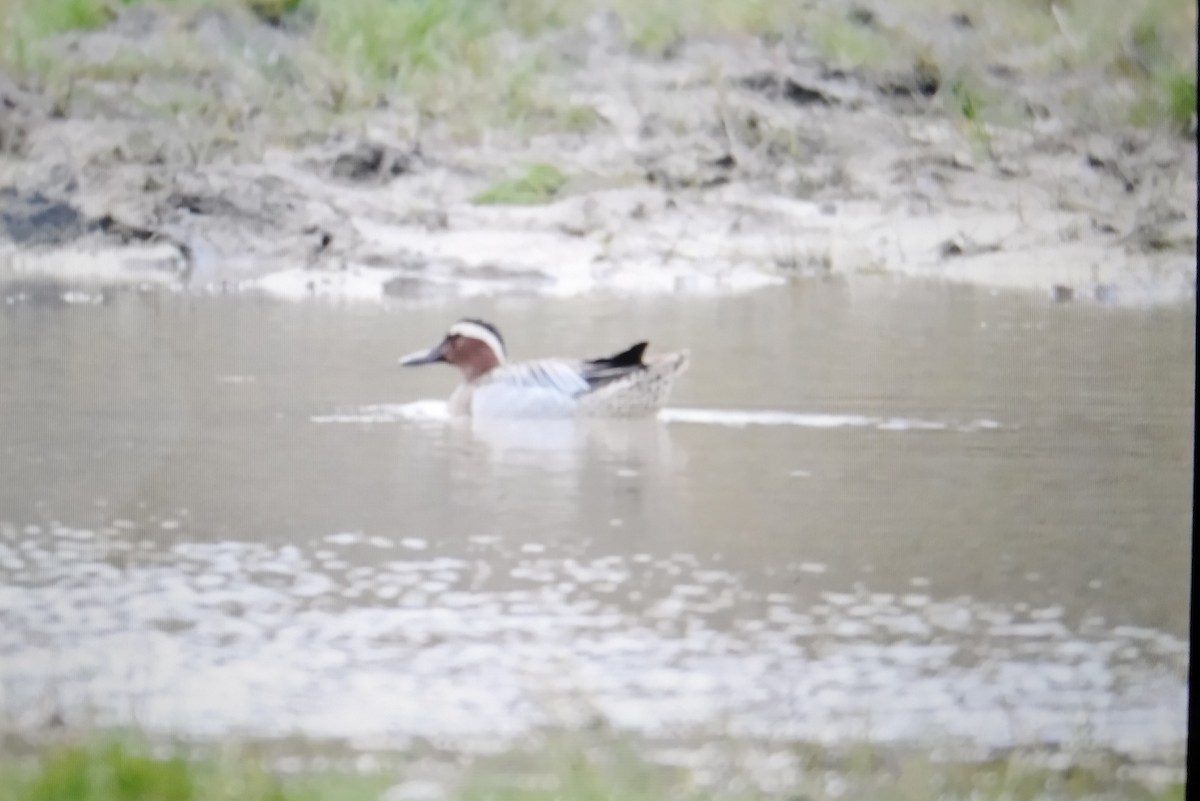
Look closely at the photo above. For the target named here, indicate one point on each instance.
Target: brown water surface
(875, 510)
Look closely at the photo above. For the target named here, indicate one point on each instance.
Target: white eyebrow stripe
(476, 331)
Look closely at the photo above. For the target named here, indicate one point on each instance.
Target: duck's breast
(506, 400)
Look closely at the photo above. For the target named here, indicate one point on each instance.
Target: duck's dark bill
(431, 356)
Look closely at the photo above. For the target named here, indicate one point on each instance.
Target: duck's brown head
(471, 345)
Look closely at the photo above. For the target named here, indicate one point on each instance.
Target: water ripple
(210, 637)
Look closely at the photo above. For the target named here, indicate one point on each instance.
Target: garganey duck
(623, 385)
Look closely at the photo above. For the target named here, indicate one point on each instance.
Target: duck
(624, 385)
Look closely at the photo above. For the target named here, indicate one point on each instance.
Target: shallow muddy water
(874, 511)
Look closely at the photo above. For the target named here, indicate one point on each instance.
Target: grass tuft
(113, 769)
(398, 42)
(70, 15)
(110, 772)
(540, 183)
(1181, 100)
(578, 766)
(967, 102)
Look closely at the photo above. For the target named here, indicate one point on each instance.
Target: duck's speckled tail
(638, 394)
(676, 362)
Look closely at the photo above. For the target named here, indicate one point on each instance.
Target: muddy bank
(724, 166)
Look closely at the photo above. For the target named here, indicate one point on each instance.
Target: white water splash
(738, 418)
(423, 411)
(436, 411)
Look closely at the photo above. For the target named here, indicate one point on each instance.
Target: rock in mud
(861, 15)
(964, 246)
(34, 219)
(13, 132)
(205, 205)
(125, 232)
(781, 87)
(14, 123)
(923, 81)
(368, 160)
(1062, 293)
(273, 12)
(53, 246)
(684, 170)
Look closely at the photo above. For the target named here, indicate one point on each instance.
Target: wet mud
(782, 167)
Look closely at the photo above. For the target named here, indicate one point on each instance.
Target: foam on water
(422, 411)
(740, 418)
(435, 410)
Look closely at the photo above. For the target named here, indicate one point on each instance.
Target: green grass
(1181, 99)
(126, 769)
(968, 103)
(1172, 98)
(655, 27)
(478, 65)
(111, 772)
(571, 767)
(399, 41)
(539, 183)
(847, 44)
(66, 15)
